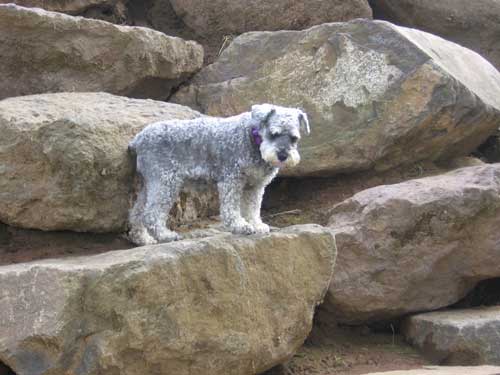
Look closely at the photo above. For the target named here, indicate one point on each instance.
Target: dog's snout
(282, 155)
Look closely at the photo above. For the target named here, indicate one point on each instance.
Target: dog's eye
(294, 139)
(274, 135)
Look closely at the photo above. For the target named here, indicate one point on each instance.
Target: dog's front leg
(251, 203)
(230, 193)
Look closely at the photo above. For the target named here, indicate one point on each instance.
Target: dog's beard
(293, 159)
(269, 154)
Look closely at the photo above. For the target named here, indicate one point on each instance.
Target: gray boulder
(473, 24)
(457, 337)
(219, 17)
(378, 95)
(64, 163)
(220, 305)
(44, 51)
(414, 246)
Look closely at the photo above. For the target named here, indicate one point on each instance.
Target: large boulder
(473, 24)
(457, 337)
(221, 305)
(378, 95)
(44, 51)
(64, 163)
(414, 246)
(220, 17)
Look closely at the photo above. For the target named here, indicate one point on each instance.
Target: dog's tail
(132, 146)
(132, 154)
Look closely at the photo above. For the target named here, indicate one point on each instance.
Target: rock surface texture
(377, 95)
(109, 10)
(220, 17)
(415, 246)
(212, 23)
(473, 24)
(445, 370)
(64, 163)
(221, 305)
(457, 337)
(44, 51)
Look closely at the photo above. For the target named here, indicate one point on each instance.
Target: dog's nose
(282, 155)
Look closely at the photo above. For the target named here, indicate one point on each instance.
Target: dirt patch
(22, 245)
(290, 201)
(350, 351)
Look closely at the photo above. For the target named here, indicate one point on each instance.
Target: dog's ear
(261, 113)
(304, 122)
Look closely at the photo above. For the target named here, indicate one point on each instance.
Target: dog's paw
(140, 237)
(168, 236)
(242, 227)
(261, 228)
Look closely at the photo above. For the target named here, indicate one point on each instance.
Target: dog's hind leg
(138, 233)
(161, 193)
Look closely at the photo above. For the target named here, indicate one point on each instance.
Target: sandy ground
(350, 351)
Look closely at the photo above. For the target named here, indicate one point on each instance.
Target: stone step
(457, 337)
(235, 305)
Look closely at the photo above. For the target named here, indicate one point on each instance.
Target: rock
(64, 163)
(109, 10)
(44, 51)
(445, 370)
(211, 23)
(414, 246)
(75, 7)
(220, 18)
(473, 24)
(457, 337)
(378, 95)
(220, 305)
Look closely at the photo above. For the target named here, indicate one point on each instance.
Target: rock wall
(77, 80)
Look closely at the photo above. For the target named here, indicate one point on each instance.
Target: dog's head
(279, 133)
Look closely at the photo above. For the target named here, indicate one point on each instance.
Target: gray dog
(241, 154)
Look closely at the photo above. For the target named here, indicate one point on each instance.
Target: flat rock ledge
(219, 305)
(457, 337)
(448, 370)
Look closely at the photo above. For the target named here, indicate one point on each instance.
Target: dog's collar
(257, 138)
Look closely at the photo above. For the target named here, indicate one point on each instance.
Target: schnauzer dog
(240, 154)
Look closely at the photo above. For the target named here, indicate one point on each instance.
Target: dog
(240, 154)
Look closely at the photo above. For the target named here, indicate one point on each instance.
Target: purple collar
(257, 139)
